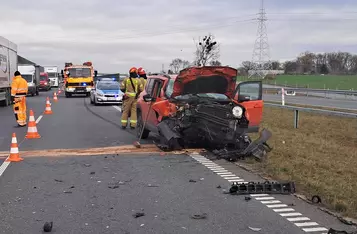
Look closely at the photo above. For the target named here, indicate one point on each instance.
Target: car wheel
(32, 94)
(95, 102)
(139, 127)
(37, 92)
(91, 100)
(68, 95)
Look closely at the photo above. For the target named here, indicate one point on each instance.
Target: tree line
(336, 63)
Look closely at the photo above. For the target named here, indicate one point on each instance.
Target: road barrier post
(282, 97)
(296, 118)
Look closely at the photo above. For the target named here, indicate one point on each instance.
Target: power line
(261, 56)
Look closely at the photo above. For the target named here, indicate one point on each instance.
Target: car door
(250, 95)
(144, 106)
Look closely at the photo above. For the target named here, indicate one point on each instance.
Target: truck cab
(31, 73)
(44, 81)
(52, 72)
(79, 79)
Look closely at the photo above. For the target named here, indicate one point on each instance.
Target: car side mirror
(148, 98)
(243, 98)
(95, 73)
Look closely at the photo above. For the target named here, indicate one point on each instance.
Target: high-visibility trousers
(129, 107)
(20, 110)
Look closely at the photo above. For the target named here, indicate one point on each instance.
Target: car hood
(110, 91)
(210, 79)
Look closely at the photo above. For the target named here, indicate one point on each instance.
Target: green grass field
(314, 81)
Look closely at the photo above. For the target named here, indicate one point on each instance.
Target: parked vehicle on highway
(288, 92)
(106, 92)
(52, 72)
(197, 108)
(44, 81)
(8, 66)
(31, 73)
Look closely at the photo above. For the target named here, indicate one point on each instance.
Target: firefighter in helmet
(142, 75)
(19, 89)
(131, 86)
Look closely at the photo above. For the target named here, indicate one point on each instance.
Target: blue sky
(117, 35)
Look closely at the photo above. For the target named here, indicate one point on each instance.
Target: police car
(106, 91)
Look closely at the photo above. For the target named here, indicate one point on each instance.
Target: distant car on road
(288, 92)
(45, 83)
(106, 92)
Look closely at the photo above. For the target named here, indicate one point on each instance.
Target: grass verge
(320, 156)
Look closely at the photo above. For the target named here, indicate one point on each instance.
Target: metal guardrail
(331, 91)
(297, 109)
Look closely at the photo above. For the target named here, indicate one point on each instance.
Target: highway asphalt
(313, 101)
(101, 193)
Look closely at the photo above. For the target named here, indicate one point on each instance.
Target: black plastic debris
(192, 181)
(47, 227)
(87, 165)
(199, 216)
(247, 198)
(138, 214)
(57, 180)
(333, 231)
(92, 173)
(218, 186)
(113, 186)
(316, 199)
(72, 186)
(266, 187)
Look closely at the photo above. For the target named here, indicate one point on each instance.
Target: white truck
(31, 73)
(52, 72)
(8, 66)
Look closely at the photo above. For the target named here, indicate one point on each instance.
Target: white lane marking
(283, 210)
(264, 198)
(117, 107)
(277, 206)
(236, 180)
(3, 166)
(298, 219)
(288, 213)
(271, 202)
(305, 224)
(317, 229)
(39, 119)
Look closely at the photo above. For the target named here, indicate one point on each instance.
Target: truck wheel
(37, 92)
(139, 127)
(32, 94)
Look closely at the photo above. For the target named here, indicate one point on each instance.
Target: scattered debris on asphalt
(142, 225)
(333, 231)
(138, 214)
(266, 187)
(202, 179)
(113, 185)
(57, 180)
(92, 173)
(247, 198)
(35, 187)
(152, 186)
(47, 227)
(192, 181)
(316, 199)
(219, 186)
(255, 229)
(67, 191)
(199, 216)
(87, 165)
(72, 187)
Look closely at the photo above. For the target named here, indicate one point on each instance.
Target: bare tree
(185, 64)
(176, 64)
(247, 65)
(215, 63)
(207, 49)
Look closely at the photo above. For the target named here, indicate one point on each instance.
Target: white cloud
(116, 35)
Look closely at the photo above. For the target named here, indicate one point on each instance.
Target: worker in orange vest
(19, 89)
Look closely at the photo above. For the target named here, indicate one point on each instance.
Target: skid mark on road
(269, 201)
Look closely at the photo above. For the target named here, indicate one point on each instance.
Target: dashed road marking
(269, 201)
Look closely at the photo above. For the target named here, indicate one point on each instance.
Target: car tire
(32, 94)
(91, 101)
(37, 92)
(140, 125)
(68, 95)
(95, 102)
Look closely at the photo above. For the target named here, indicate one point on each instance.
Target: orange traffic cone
(14, 151)
(32, 129)
(55, 97)
(48, 110)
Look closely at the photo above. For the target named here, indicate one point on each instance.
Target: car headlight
(237, 111)
(100, 94)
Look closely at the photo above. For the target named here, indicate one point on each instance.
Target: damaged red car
(204, 107)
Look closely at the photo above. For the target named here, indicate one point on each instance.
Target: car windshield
(108, 86)
(169, 88)
(42, 78)
(28, 78)
(79, 72)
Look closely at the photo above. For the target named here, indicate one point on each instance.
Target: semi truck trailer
(8, 66)
(52, 72)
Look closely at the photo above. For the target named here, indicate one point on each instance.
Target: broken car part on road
(203, 107)
(262, 188)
